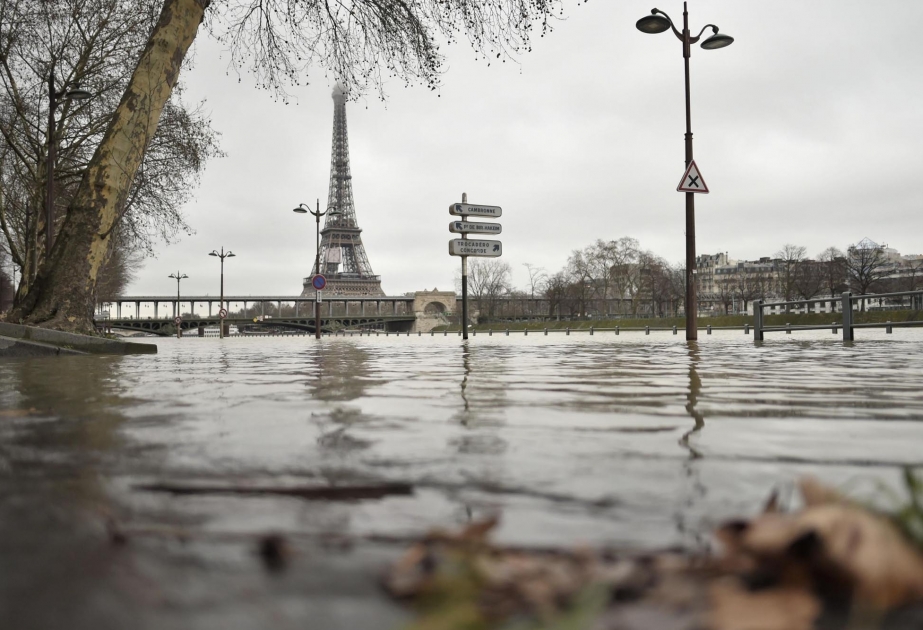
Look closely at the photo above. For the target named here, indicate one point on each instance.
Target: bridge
(419, 311)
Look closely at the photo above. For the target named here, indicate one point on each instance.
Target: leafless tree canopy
(789, 256)
(615, 274)
(488, 281)
(362, 43)
(93, 44)
(865, 266)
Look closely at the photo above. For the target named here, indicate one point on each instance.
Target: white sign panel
(475, 247)
(692, 180)
(468, 227)
(459, 209)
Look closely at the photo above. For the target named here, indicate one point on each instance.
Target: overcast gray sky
(808, 129)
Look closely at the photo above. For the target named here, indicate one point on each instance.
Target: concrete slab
(19, 348)
(70, 341)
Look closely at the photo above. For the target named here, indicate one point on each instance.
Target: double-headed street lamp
(179, 276)
(54, 99)
(305, 209)
(658, 22)
(222, 256)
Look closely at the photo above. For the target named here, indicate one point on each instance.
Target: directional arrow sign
(465, 227)
(459, 209)
(475, 247)
(692, 180)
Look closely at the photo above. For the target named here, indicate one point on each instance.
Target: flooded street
(627, 441)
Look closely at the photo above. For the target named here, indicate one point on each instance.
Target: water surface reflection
(598, 439)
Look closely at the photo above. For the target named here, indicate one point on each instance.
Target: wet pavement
(631, 442)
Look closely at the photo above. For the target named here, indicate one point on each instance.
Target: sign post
(178, 321)
(464, 247)
(318, 282)
(464, 275)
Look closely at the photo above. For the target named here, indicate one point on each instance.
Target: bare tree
(6, 281)
(488, 281)
(726, 290)
(555, 291)
(581, 282)
(809, 279)
(94, 44)
(866, 266)
(833, 265)
(789, 257)
(750, 286)
(117, 272)
(359, 41)
(912, 276)
(537, 276)
(624, 267)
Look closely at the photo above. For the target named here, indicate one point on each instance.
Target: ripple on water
(624, 439)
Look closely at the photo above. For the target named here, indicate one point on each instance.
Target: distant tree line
(618, 278)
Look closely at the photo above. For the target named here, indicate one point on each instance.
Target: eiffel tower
(342, 257)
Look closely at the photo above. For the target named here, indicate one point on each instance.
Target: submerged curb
(19, 340)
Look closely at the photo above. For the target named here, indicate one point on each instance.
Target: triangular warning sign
(692, 180)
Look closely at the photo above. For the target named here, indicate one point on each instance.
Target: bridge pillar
(118, 310)
(296, 307)
(280, 308)
(209, 308)
(155, 310)
(137, 310)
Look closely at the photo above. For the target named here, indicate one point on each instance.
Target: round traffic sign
(223, 313)
(318, 282)
(177, 320)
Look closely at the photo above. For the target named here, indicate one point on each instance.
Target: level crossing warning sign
(692, 181)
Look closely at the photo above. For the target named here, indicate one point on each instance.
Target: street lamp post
(54, 98)
(179, 276)
(305, 209)
(658, 22)
(222, 256)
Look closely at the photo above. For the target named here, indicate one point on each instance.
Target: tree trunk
(63, 293)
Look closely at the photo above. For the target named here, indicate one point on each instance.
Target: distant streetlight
(178, 277)
(222, 256)
(658, 22)
(54, 98)
(305, 209)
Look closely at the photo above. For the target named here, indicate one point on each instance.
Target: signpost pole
(464, 260)
(692, 306)
(317, 314)
(221, 310)
(317, 271)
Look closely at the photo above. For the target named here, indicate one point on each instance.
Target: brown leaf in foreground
(832, 547)
(778, 571)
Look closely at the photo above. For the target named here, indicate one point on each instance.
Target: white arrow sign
(464, 209)
(692, 180)
(475, 247)
(465, 227)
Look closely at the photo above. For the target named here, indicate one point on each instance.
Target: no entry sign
(318, 282)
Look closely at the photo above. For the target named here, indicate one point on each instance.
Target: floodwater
(627, 441)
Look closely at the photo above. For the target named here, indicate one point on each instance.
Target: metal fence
(847, 322)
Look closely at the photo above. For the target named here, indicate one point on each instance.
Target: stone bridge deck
(413, 312)
(394, 323)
